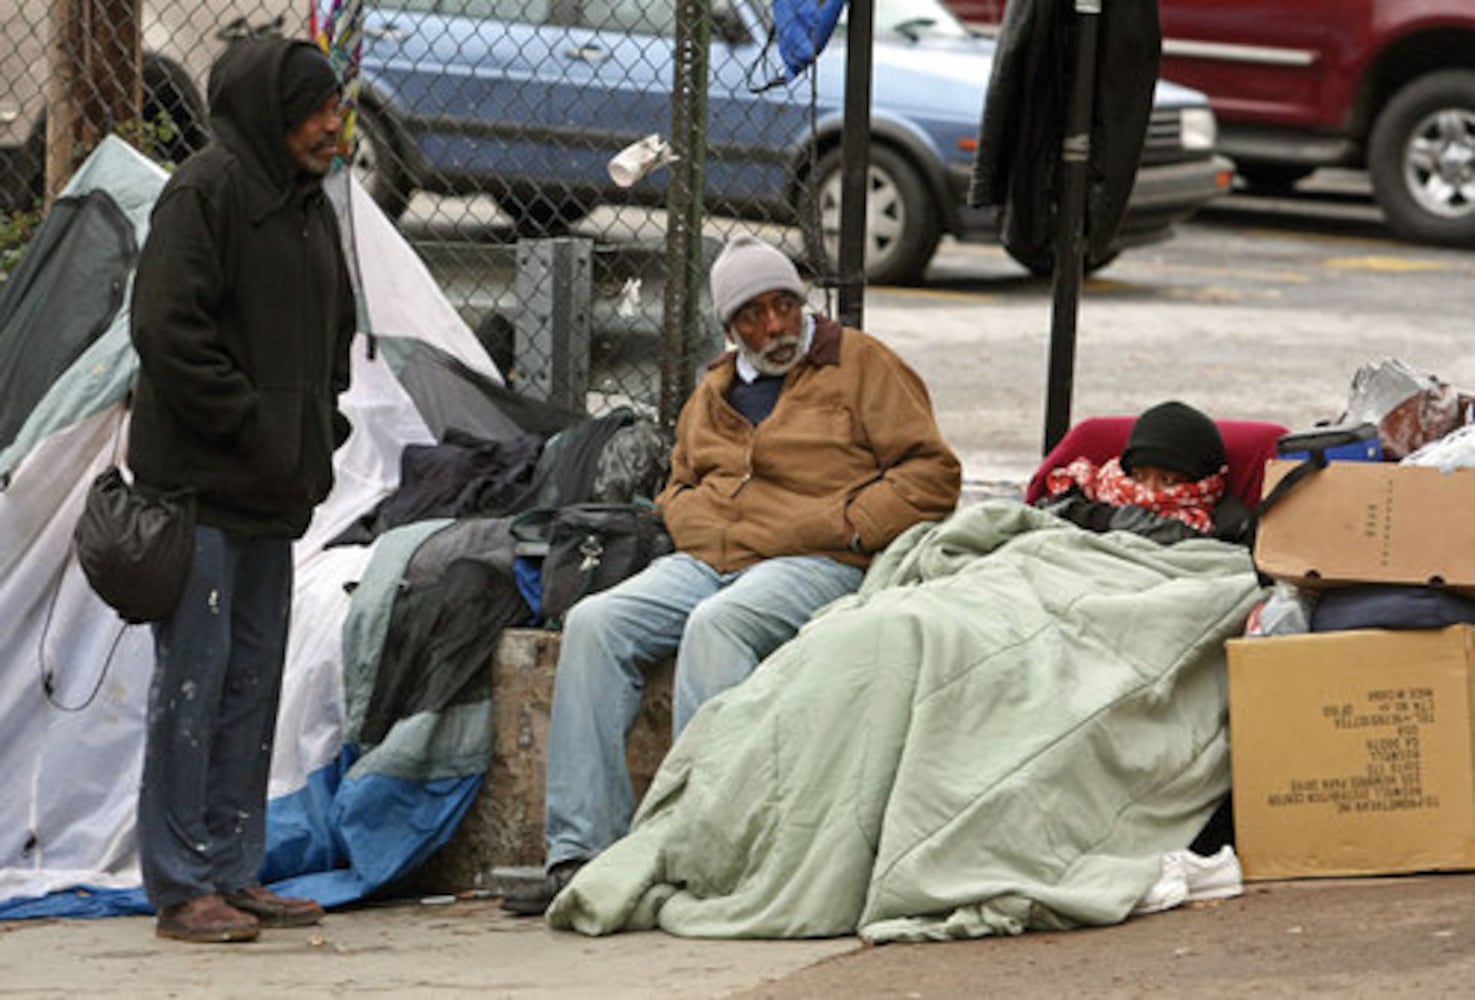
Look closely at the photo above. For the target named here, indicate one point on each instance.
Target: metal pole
(1075, 151)
(856, 157)
(684, 208)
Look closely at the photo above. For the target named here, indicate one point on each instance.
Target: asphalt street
(1260, 309)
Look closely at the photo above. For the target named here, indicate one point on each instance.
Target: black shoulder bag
(136, 546)
(590, 547)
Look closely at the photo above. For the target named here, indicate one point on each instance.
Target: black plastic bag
(136, 547)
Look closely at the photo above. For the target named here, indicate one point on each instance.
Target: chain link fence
(484, 129)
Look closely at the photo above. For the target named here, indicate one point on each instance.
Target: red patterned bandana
(1191, 503)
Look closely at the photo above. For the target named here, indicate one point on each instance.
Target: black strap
(1312, 463)
(43, 661)
(47, 664)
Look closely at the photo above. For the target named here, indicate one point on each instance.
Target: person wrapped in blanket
(1168, 484)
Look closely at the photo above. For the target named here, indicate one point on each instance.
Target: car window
(640, 17)
(911, 17)
(527, 11)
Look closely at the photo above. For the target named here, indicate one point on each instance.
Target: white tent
(73, 678)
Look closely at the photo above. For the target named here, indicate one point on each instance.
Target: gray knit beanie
(745, 269)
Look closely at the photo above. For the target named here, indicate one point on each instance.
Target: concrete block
(505, 824)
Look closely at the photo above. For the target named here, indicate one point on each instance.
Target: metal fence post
(684, 208)
(857, 158)
(554, 278)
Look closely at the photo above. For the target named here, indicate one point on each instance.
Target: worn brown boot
(273, 910)
(207, 920)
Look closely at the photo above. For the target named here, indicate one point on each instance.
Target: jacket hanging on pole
(1017, 167)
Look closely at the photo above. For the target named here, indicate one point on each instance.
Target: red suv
(1388, 85)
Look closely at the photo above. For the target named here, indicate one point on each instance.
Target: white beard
(762, 361)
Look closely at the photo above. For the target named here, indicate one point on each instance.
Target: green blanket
(1003, 730)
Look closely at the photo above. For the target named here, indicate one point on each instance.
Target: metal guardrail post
(554, 278)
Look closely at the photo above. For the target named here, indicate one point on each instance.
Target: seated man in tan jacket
(804, 450)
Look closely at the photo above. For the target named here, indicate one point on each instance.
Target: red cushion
(1247, 445)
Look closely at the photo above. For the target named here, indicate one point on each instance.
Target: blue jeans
(212, 717)
(721, 626)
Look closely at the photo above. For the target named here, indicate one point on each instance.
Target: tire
(1087, 266)
(378, 165)
(1272, 178)
(29, 171)
(903, 224)
(168, 90)
(497, 336)
(536, 213)
(1421, 158)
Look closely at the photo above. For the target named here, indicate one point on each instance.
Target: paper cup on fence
(638, 159)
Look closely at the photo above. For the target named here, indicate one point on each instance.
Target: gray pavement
(1370, 937)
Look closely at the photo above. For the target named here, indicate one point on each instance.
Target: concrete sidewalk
(465, 948)
(1373, 937)
(1357, 938)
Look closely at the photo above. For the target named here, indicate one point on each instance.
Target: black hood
(246, 105)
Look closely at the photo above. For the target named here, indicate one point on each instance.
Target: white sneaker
(1170, 889)
(1190, 878)
(1218, 876)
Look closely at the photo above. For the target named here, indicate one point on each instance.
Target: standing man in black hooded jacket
(242, 317)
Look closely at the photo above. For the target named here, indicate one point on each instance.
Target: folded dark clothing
(463, 476)
(1380, 605)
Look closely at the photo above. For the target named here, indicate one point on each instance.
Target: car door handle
(587, 53)
(392, 32)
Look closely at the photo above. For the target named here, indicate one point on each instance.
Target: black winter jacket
(242, 317)
(1017, 166)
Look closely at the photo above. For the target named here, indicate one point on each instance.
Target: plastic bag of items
(1286, 611)
(1409, 409)
(1456, 450)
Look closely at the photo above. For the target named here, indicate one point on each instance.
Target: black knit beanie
(308, 81)
(1176, 437)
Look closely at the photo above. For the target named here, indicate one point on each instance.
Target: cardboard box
(1370, 522)
(1353, 753)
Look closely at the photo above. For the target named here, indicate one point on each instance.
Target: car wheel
(538, 213)
(169, 91)
(29, 168)
(902, 222)
(378, 166)
(498, 336)
(1088, 266)
(1421, 158)
(1092, 266)
(1271, 178)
